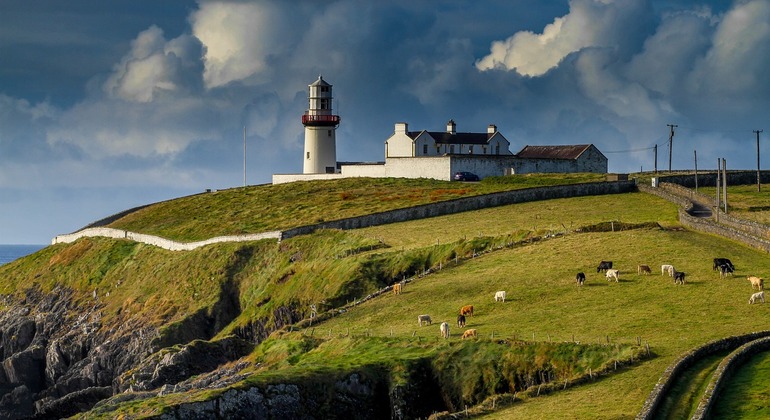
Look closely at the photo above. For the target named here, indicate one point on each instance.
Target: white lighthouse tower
(320, 127)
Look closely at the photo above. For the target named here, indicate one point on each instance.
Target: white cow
(424, 318)
(444, 327)
(500, 296)
(613, 274)
(667, 269)
(759, 296)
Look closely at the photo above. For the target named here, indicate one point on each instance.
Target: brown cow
(643, 269)
(469, 333)
(397, 289)
(756, 282)
(466, 310)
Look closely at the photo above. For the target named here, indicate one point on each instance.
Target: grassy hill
(535, 249)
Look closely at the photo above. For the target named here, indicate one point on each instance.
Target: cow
(424, 318)
(460, 321)
(679, 277)
(604, 266)
(467, 310)
(724, 270)
(444, 327)
(759, 296)
(613, 273)
(722, 261)
(667, 269)
(470, 333)
(397, 289)
(756, 282)
(580, 278)
(500, 296)
(643, 269)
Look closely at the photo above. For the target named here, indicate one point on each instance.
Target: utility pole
(656, 158)
(670, 143)
(724, 183)
(719, 164)
(695, 153)
(758, 181)
(244, 155)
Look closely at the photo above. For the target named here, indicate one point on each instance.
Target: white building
(405, 143)
(429, 154)
(320, 130)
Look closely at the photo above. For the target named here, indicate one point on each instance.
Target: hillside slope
(121, 327)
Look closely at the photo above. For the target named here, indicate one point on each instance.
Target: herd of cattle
(723, 265)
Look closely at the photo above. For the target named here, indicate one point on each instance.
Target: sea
(10, 253)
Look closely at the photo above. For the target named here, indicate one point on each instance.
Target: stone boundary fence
(392, 216)
(678, 194)
(674, 370)
(725, 372)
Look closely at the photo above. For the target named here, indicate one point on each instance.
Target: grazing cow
(397, 289)
(667, 269)
(722, 261)
(444, 327)
(604, 266)
(724, 270)
(759, 296)
(500, 296)
(643, 269)
(580, 278)
(424, 318)
(678, 277)
(470, 333)
(467, 310)
(460, 321)
(613, 273)
(756, 282)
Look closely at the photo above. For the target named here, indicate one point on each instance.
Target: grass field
(544, 302)
(747, 394)
(745, 201)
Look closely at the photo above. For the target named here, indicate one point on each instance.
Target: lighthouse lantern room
(320, 126)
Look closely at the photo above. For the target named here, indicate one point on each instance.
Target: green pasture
(264, 208)
(745, 201)
(747, 394)
(545, 304)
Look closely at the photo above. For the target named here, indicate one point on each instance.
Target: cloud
(589, 23)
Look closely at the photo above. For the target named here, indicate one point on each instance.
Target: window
(484, 150)
(451, 148)
(329, 133)
(470, 150)
(424, 149)
(497, 149)
(308, 155)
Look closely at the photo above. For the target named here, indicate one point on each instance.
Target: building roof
(320, 82)
(442, 137)
(553, 152)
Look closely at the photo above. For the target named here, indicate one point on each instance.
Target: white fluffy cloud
(590, 23)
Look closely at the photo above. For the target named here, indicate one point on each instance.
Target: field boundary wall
(725, 372)
(392, 216)
(675, 369)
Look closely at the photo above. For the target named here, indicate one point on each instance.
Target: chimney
(401, 127)
(451, 127)
(491, 129)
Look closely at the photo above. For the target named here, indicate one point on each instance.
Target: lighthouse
(320, 127)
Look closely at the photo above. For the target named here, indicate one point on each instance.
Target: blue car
(466, 176)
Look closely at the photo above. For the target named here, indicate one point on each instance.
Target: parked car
(466, 176)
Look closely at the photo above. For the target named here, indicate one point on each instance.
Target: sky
(105, 106)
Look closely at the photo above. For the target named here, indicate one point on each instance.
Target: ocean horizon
(9, 252)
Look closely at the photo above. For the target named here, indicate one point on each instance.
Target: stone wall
(708, 179)
(468, 204)
(158, 241)
(673, 371)
(724, 373)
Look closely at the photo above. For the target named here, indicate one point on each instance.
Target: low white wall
(438, 167)
(376, 170)
(161, 242)
(284, 178)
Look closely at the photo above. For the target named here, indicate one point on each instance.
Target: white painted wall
(320, 150)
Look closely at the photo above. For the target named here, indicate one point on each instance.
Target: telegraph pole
(656, 158)
(670, 143)
(758, 181)
(244, 155)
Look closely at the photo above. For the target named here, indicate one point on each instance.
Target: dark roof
(553, 152)
(457, 138)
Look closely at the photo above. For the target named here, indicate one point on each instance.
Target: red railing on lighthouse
(308, 119)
